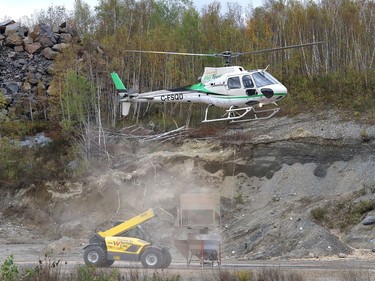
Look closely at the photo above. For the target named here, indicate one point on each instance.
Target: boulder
(18, 48)
(368, 220)
(26, 86)
(37, 140)
(13, 39)
(4, 24)
(48, 53)
(46, 42)
(65, 37)
(60, 47)
(55, 28)
(46, 35)
(33, 48)
(51, 69)
(22, 61)
(12, 28)
(12, 55)
(34, 35)
(27, 40)
(12, 87)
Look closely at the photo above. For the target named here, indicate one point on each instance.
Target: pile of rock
(26, 65)
(46, 39)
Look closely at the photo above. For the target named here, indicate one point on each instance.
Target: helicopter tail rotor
(125, 108)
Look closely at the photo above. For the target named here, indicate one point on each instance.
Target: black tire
(95, 256)
(109, 263)
(167, 258)
(152, 258)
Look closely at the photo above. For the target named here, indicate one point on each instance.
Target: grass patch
(19, 165)
(355, 276)
(343, 214)
(18, 129)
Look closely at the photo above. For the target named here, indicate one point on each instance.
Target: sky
(15, 9)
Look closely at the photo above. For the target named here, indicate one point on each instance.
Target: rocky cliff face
(26, 66)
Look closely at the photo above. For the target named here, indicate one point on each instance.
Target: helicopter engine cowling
(267, 92)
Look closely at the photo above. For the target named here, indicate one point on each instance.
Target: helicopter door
(234, 87)
(249, 85)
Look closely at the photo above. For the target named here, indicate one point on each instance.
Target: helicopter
(241, 93)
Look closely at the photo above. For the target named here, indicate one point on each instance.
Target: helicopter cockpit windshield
(263, 78)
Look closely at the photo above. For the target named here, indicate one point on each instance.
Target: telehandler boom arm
(137, 220)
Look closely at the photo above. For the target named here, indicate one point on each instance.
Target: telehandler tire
(152, 258)
(96, 256)
(108, 263)
(167, 258)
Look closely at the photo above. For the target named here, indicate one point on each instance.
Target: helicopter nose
(267, 92)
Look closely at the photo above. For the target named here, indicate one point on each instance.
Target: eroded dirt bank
(270, 176)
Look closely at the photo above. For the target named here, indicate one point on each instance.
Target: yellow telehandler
(127, 241)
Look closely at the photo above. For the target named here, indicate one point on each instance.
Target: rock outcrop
(26, 66)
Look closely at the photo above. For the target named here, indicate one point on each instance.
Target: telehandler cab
(127, 241)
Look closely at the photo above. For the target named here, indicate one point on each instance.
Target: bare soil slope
(270, 176)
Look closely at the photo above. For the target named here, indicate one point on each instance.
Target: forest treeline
(336, 74)
(81, 100)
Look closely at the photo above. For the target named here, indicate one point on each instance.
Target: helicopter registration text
(172, 97)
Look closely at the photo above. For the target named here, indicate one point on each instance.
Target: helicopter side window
(247, 82)
(234, 83)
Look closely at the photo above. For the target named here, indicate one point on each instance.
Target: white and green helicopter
(242, 93)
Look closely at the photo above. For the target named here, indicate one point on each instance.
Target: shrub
(318, 214)
(244, 275)
(342, 214)
(3, 100)
(9, 271)
(277, 274)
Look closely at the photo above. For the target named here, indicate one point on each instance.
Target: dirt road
(30, 255)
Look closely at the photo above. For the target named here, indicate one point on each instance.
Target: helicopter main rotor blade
(280, 48)
(172, 53)
(227, 55)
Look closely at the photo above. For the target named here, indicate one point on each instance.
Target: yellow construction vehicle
(127, 241)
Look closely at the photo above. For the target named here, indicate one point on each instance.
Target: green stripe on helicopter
(246, 97)
(201, 88)
(196, 87)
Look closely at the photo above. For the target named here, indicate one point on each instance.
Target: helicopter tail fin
(122, 92)
(120, 87)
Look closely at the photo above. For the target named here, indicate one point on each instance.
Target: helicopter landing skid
(235, 115)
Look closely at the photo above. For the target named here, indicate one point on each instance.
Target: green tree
(54, 15)
(110, 15)
(83, 19)
(78, 100)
